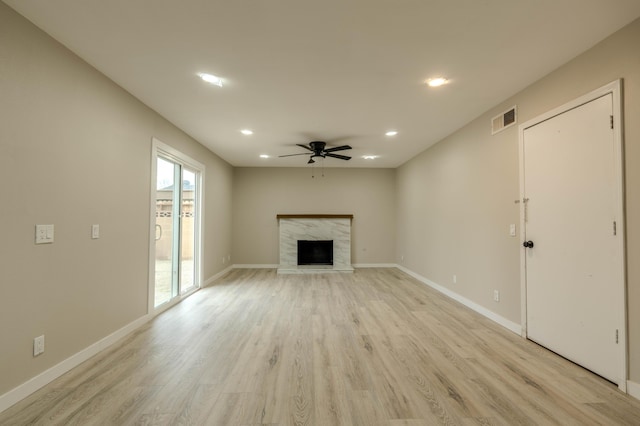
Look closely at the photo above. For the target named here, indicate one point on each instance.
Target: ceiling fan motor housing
(317, 147)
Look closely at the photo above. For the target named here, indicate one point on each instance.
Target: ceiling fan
(317, 149)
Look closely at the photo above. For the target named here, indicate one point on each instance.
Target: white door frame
(615, 89)
(159, 148)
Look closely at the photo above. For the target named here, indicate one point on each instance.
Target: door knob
(528, 244)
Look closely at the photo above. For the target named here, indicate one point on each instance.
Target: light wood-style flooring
(374, 347)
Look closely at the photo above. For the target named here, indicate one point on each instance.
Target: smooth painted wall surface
(75, 150)
(456, 199)
(262, 193)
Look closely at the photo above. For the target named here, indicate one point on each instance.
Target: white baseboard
(508, 324)
(210, 280)
(375, 265)
(27, 388)
(633, 389)
(276, 266)
(255, 266)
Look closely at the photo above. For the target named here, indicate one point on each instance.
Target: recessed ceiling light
(264, 156)
(391, 133)
(369, 157)
(437, 82)
(246, 132)
(210, 78)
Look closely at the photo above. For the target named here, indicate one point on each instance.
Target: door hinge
(611, 118)
(615, 228)
(616, 336)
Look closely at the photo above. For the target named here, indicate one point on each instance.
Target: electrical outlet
(496, 295)
(38, 345)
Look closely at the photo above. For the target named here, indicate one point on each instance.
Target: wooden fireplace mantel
(314, 216)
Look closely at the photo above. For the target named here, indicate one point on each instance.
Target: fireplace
(332, 230)
(315, 252)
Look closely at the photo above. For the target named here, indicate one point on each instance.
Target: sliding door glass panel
(187, 230)
(166, 255)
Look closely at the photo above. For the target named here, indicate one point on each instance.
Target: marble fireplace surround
(294, 227)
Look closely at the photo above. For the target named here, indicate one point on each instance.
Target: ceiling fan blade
(291, 155)
(337, 148)
(342, 157)
(305, 146)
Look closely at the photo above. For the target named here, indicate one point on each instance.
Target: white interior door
(573, 280)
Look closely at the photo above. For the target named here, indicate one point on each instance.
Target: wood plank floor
(371, 348)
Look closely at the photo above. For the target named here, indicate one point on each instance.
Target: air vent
(504, 120)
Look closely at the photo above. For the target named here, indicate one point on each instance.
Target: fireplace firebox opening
(316, 252)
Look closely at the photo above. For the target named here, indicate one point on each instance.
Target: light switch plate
(512, 229)
(95, 231)
(44, 234)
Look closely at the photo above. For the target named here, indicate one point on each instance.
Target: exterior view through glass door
(177, 236)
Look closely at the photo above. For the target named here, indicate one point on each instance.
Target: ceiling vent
(504, 120)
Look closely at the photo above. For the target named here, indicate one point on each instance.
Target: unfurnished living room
(296, 212)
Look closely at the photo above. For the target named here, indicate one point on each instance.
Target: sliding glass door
(176, 244)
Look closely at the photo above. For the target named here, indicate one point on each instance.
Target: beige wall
(75, 150)
(262, 193)
(456, 200)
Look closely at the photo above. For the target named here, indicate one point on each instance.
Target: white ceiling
(342, 71)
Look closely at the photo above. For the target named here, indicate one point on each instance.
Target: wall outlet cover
(38, 345)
